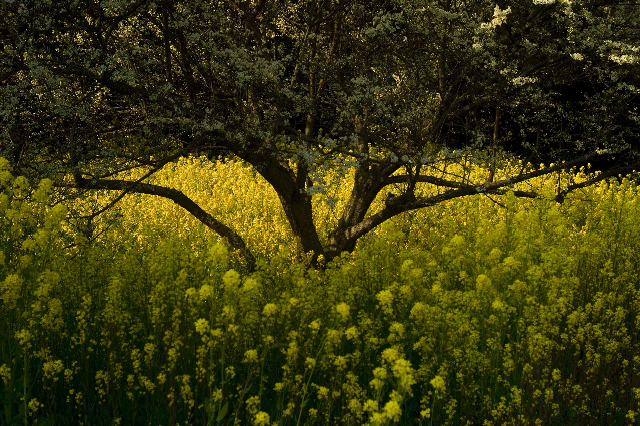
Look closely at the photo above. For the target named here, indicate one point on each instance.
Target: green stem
(7, 385)
(24, 393)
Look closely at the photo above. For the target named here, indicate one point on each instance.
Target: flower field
(475, 311)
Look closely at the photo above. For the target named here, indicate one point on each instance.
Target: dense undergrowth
(470, 312)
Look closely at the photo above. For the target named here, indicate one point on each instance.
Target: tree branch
(427, 179)
(602, 176)
(354, 232)
(174, 195)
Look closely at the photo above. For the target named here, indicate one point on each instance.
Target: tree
(294, 86)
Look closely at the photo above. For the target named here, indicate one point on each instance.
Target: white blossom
(499, 18)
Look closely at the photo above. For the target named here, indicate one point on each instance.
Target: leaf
(223, 411)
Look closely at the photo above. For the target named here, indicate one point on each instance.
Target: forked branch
(174, 195)
(356, 231)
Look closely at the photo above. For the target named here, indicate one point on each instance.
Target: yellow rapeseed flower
(419, 311)
(376, 384)
(250, 284)
(51, 369)
(310, 363)
(202, 326)
(390, 355)
(206, 292)
(385, 297)
(351, 333)
(231, 279)
(397, 328)
(218, 253)
(314, 325)
(5, 372)
(251, 356)
(392, 411)
(438, 384)
(340, 362)
(323, 392)
(262, 419)
(370, 405)
(404, 372)
(269, 309)
(483, 283)
(34, 405)
(497, 305)
(343, 310)
(24, 337)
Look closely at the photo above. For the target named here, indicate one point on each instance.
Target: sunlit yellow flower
(218, 253)
(419, 311)
(322, 392)
(497, 305)
(483, 283)
(314, 325)
(385, 297)
(202, 326)
(262, 419)
(5, 372)
(34, 405)
(310, 363)
(29, 244)
(390, 355)
(376, 383)
(20, 185)
(251, 356)
(334, 337)
(206, 292)
(392, 411)
(351, 333)
(252, 404)
(343, 310)
(250, 284)
(378, 419)
(269, 309)
(370, 405)
(51, 369)
(340, 362)
(24, 337)
(438, 384)
(231, 279)
(397, 328)
(404, 372)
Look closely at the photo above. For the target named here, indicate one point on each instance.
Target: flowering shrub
(471, 312)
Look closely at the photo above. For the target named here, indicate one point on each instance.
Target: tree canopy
(293, 87)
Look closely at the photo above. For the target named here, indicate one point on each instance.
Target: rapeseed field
(478, 311)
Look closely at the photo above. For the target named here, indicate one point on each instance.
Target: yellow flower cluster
(469, 312)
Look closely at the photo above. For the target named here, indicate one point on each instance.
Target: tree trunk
(293, 197)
